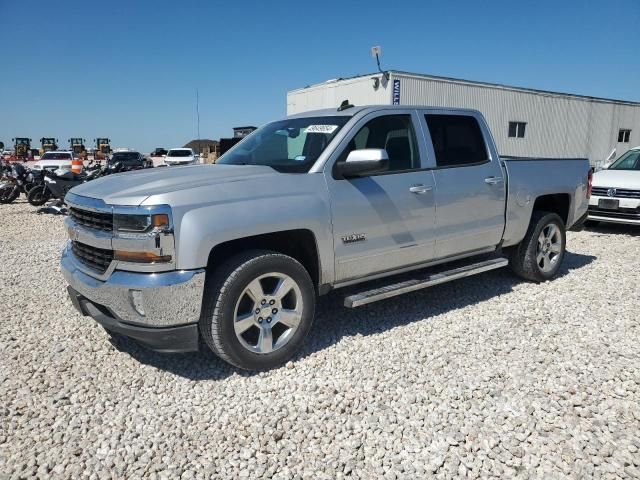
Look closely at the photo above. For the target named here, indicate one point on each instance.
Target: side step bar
(388, 291)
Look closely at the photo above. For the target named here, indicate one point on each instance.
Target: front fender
(201, 228)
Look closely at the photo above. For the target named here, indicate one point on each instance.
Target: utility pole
(198, 120)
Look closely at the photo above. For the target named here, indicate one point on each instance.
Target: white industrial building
(525, 122)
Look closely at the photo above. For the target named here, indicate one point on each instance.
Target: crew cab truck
(236, 253)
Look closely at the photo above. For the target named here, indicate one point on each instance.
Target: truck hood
(132, 188)
(627, 179)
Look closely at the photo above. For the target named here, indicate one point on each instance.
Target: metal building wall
(557, 125)
(359, 91)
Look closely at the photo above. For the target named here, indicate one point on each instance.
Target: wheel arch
(300, 244)
(558, 203)
(521, 210)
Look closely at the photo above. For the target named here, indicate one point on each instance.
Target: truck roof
(351, 111)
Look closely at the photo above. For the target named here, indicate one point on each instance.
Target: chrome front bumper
(167, 298)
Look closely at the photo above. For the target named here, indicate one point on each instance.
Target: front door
(384, 221)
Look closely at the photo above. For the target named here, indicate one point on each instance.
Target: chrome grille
(619, 192)
(97, 258)
(96, 220)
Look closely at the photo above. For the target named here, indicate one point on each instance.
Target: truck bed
(529, 178)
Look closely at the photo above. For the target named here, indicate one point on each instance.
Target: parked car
(180, 156)
(55, 160)
(235, 253)
(130, 160)
(616, 191)
(159, 152)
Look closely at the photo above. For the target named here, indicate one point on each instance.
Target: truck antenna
(344, 105)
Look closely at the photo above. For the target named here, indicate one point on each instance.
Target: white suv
(180, 156)
(615, 195)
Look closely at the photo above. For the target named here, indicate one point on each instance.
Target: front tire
(38, 195)
(258, 309)
(9, 194)
(538, 257)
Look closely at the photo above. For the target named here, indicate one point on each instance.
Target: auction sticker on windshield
(320, 129)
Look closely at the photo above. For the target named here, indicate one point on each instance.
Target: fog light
(136, 301)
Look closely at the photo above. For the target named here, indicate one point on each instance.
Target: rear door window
(457, 140)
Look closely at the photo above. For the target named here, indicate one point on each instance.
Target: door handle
(420, 189)
(492, 180)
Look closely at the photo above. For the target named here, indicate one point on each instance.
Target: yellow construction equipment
(103, 148)
(48, 144)
(77, 146)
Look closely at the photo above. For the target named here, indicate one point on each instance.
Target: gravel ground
(487, 376)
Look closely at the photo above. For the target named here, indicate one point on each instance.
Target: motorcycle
(56, 185)
(19, 180)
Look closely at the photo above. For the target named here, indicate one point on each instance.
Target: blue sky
(129, 70)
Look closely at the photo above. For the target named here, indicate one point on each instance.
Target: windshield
(179, 153)
(628, 161)
(56, 156)
(123, 157)
(290, 146)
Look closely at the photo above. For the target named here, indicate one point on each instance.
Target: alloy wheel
(268, 313)
(549, 247)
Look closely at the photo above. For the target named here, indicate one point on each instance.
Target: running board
(388, 291)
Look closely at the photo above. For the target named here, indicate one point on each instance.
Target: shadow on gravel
(202, 365)
(334, 322)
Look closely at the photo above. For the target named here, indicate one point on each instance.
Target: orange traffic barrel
(76, 165)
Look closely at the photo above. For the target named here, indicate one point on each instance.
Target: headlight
(140, 223)
(143, 237)
(131, 223)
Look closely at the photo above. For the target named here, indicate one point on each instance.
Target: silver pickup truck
(235, 254)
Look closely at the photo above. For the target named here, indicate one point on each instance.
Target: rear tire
(538, 257)
(38, 196)
(257, 310)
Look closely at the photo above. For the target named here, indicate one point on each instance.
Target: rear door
(385, 221)
(470, 184)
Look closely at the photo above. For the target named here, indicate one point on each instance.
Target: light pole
(198, 120)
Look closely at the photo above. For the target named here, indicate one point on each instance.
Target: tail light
(589, 183)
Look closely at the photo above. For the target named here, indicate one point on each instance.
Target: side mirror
(364, 162)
